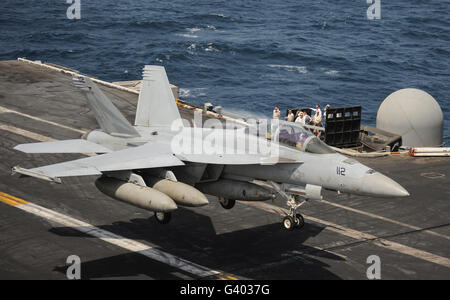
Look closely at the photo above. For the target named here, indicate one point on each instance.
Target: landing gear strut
(163, 218)
(227, 203)
(293, 219)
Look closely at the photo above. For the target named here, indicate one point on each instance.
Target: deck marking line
(8, 201)
(7, 110)
(385, 219)
(114, 239)
(15, 199)
(443, 261)
(26, 133)
(33, 136)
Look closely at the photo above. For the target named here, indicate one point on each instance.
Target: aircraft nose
(382, 186)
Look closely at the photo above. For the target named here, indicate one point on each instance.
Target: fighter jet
(163, 162)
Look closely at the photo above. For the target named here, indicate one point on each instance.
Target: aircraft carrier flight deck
(42, 224)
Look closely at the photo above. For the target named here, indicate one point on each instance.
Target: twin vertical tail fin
(107, 115)
(157, 105)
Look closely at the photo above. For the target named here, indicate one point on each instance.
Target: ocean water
(247, 55)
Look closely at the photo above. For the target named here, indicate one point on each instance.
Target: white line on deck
(7, 110)
(385, 219)
(118, 240)
(361, 236)
(32, 135)
(26, 133)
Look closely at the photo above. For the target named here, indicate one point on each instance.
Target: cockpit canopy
(295, 135)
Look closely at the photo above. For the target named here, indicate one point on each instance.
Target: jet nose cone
(382, 186)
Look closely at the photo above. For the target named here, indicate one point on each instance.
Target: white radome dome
(413, 114)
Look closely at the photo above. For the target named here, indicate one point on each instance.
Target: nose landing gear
(293, 219)
(291, 223)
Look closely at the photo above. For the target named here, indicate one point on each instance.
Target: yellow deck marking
(12, 198)
(228, 277)
(9, 201)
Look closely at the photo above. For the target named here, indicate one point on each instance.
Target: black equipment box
(343, 126)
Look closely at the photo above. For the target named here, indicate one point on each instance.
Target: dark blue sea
(247, 55)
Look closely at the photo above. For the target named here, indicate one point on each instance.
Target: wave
(160, 25)
(194, 31)
(299, 69)
(187, 35)
(331, 72)
(193, 93)
(207, 47)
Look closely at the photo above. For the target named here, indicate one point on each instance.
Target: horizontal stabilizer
(67, 146)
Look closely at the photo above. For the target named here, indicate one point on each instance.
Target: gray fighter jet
(162, 161)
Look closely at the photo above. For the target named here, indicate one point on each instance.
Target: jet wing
(142, 157)
(66, 146)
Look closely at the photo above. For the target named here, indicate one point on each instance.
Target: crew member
(317, 120)
(276, 113)
(275, 122)
(317, 109)
(290, 117)
(300, 118)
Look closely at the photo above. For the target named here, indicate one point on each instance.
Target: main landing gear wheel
(163, 218)
(299, 221)
(227, 203)
(288, 223)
